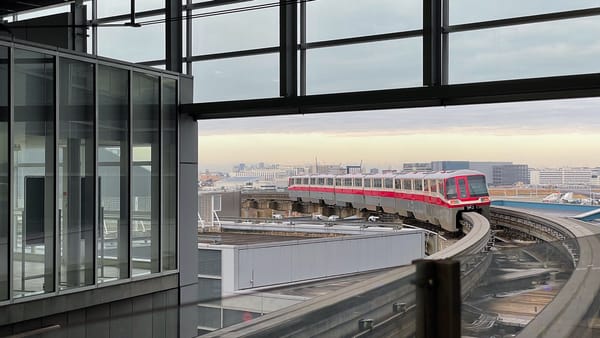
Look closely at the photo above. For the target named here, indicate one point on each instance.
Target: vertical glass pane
(465, 11)
(76, 173)
(522, 51)
(33, 156)
(134, 44)
(169, 175)
(4, 174)
(113, 173)
(237, 30)
(145, 174)
(247, 77)
(335, 19)
(365, 66)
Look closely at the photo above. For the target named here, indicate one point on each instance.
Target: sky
(540, 133)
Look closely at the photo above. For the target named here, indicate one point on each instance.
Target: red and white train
(435, 197)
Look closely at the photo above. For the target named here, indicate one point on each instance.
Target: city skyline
(560, 133)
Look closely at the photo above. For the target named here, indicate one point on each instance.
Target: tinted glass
(4, 174)
(113, 173)
(33, 165)
(145, 180)
(76, 173)
(169, 175)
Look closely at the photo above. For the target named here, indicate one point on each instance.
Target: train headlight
(484, 199)
(454, 202)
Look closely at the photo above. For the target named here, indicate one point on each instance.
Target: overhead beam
(558, 87)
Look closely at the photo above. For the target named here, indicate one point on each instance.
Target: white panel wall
(269, 264)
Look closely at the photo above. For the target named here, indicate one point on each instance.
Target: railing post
(438, 297)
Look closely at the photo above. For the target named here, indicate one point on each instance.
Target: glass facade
(33, 173)
(113, 173)
(145, 174)
(76, 155)
(4, 175)
(89, 153)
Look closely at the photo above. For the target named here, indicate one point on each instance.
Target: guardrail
(381, 302)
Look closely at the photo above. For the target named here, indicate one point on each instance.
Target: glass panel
(365, 66)
(33, 156)
(76, 173)
(450, 188)
(335, 19)
(209, 262)
(236, 30)
(465, 11)
(113, 173)
(232, 317)
(145, 174)
(134, 44)
(113, 7)
(209, 317)
(239, 78)
(4, 174)
(169, 175)
(477, 186)
(209, 290)
(146, 5)
(534, 50)
(108, 8)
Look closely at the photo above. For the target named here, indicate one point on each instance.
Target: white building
(561, 176)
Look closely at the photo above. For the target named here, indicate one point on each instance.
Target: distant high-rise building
(562, 176)
(374, 171)
(449, 165)
(510, 174)
(487, 168)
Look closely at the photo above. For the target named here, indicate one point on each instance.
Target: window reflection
(145, 184)
(169, 175)
(4, 174)
(113, 173)
(33, 165)
(76, 173)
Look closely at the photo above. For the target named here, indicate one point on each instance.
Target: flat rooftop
(246, 238)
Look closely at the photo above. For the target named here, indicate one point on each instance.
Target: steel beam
(432, 42)
(558, 87)
(174, 35)
(288, 60)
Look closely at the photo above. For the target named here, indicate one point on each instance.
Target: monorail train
(435, 197)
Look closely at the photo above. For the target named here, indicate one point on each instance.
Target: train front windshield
(477, 186)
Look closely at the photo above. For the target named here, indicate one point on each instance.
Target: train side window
(440, 186)
(313, 181)
(450, 188)
(321, 181)
(407, 184)
(398, 183)
(418, 185)
(377, 183)
(426, 185)
(305, 180)
(329, 181)
(389, 183)
(347, 182)
(358, 182)
(367, 182)
(338, 182)
(433, 186)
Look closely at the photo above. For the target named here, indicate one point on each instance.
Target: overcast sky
(545, 133)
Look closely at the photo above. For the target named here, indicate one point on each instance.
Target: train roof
(413, 175)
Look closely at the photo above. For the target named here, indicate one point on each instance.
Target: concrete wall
(269, 264)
